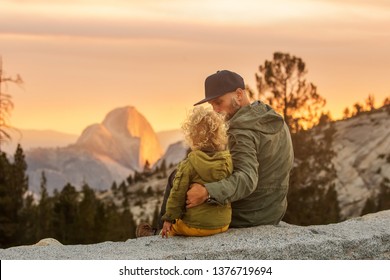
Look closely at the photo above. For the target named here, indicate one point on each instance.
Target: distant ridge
(104, 153)
(34, 138)
(168, 137)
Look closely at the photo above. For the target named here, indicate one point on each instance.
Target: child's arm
(177, 198)
(166, 229)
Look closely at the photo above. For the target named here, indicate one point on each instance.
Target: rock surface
(366, 237)
(362, 146)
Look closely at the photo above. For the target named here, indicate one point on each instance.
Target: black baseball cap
(220, 83)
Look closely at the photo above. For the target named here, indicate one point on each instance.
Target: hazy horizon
(80, 59)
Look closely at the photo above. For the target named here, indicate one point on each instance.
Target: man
(262, 153)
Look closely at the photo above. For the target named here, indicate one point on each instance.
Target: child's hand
(166, 229)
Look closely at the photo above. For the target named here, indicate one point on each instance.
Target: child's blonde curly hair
(205, 130)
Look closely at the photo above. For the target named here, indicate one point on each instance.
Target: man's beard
(234, 106)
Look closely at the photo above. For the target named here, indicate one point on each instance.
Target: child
(209, 161)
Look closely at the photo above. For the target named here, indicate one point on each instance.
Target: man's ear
(239, 94)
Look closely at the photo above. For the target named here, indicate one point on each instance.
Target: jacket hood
(211, 167)
(257, 116)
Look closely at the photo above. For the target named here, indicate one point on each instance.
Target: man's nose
(216, 108)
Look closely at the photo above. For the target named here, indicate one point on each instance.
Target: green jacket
(262, 152)
(199, 167)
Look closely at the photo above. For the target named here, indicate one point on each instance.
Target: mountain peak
(125, 136)
(127, 121)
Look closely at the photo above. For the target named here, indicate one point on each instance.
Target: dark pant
(166, 195)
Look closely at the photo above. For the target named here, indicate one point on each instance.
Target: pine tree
(138, 177)
(370, 102)
(7, 227)
(123, 190)
(346, 113)
(45, 209)
(13, 186)
(331, 208)
(381, 201)
(130, 180)
(156, 217)
(100, 222)
(27, 224)
(86, 217)
(282, 82)
(312, 197)
(113, 223)
(369, 207)
(147, 169)
(384, 195)
(114, 188)
(163, 168)
(65, 215)
(128, 226)
(19, 179)
(358, 108)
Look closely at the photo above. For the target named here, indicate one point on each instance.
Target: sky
(80, 59)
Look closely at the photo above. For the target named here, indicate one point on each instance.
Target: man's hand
(196, 195)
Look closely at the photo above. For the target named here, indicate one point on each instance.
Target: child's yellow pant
(180, 228)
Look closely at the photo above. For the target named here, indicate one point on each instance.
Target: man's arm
(244, 179)
(240, 184)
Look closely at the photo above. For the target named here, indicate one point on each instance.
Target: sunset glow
(80, 59)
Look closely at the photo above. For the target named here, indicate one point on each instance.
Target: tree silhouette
(13, 187)
(358, 108)
(70, 216)
(312, 197)
(6, 104)
(379, 202)
(27, 222)
(283, 84)
(370, 102)
(130, 180)
(86, 216)
(45, 210)
(147, 169)
(163, 168)
(65, 215)
(346, 113)
(156, 216)
(7, 228)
